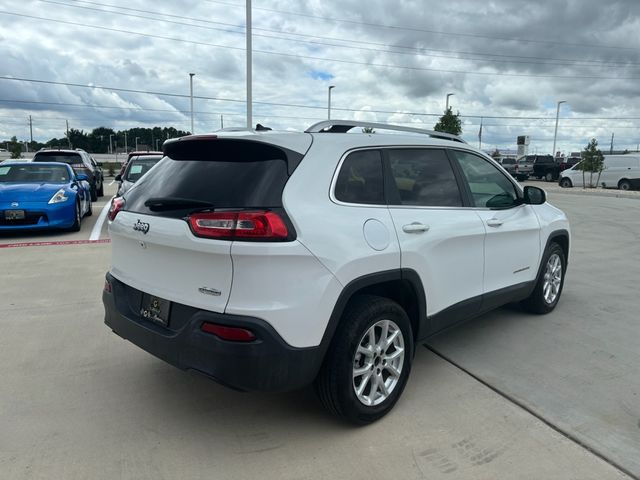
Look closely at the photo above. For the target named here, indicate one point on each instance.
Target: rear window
(139, 166)
(73, 159)
(508, 161)
(222, 175)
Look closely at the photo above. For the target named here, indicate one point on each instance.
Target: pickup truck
(545, 167)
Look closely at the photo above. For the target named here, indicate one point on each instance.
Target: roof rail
(343, 126)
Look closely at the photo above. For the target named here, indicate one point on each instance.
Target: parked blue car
(42, 195)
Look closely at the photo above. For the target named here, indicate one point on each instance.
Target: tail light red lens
(232, 334)
(232, 225)
(116, 205)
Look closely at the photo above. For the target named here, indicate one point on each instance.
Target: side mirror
(80, 177)
(118, 178)
(534, 196)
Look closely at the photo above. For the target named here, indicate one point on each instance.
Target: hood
(28, 192)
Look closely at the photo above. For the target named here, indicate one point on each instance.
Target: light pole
(191, 98)
(249, 54)
(137, 143)
(126, 147)
(110, 144)
(157, 140)
(555, 135)
(331, 87)
(446, 109)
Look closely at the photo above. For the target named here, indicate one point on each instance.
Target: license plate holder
(155, 309)
(14, 215)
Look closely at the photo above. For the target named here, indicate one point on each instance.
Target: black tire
(94, 193)
(335, 384)
(90, 212)
(537, 302)
(624, 185)
(566, 183)
(548, 177)
(78, 219)
(101, 189)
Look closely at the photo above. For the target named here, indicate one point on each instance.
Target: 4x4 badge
(141, 227)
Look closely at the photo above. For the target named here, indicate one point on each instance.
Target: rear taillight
(117, 204)
(232, 225)
(232, 334)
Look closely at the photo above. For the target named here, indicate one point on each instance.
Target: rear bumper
(266, 364)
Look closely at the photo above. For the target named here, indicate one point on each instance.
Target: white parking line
(112, 182)
(97, 228)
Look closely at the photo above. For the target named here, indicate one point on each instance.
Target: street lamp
(191, 98)
(157, 140)
(137, 143)
(126, 147)
(446, 109)
(555, 135)
(329, 102)
(110, 144)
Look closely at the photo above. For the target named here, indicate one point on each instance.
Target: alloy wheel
(552, 279)
(378, 362)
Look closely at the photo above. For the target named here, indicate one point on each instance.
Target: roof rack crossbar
(343, 126)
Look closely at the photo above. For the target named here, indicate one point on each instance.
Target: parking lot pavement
(76, 401)
(578, 367)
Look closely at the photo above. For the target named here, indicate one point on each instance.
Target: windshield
(138, 166)
(508, 161)
(34, 174)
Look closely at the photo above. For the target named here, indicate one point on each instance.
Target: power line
(145, 92)
(414, 51)
(309, 57)
(422, 30)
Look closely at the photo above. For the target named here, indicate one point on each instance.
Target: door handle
(494, 222)
(415, 227)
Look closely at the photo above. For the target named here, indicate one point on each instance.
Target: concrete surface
(579, 367)
(78, 402)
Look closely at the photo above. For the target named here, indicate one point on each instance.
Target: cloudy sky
(508, 61)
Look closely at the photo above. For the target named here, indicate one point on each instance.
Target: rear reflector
(232, 334)
(261, 225)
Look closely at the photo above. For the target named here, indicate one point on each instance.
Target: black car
(544, 167)
(81, 162)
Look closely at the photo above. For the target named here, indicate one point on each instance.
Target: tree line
(100, 140)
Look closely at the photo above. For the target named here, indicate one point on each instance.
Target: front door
(512, 245)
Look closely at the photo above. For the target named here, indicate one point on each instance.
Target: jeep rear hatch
(173, 231)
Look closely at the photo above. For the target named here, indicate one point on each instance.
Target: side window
(424, 177)
(489, 187)
(361, 179)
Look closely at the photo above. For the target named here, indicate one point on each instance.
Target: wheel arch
(403, 286)
(562, 238)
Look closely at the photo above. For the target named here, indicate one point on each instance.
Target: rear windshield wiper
(174, 203)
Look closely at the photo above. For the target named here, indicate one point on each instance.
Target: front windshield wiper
(174, 203)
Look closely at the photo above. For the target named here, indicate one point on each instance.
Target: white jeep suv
(269, 261)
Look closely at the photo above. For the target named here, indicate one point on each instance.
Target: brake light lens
(244, 225)
(232, 334)
(117, 204)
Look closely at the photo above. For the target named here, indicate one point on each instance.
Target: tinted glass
(360, 179)
(424, 177)
(489, 187)
(34, 174)
(73, 159)
(139, 166)
(221, 182)
(508, 161)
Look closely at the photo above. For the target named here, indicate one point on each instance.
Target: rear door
(156, 249)
(440, 239)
